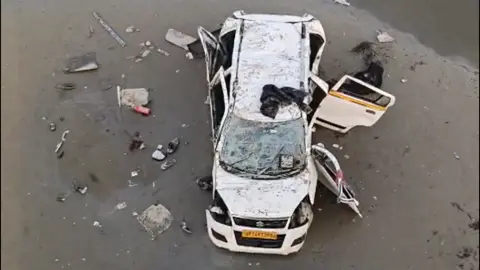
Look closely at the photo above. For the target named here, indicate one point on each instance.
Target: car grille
(257, 223)
(260, 243)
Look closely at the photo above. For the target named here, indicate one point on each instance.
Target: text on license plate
(260, 235)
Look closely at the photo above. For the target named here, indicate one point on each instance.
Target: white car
(266, 169)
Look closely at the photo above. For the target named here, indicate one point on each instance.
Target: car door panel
(218, 96)
(331, 175)
(351, 102)
(210, 45)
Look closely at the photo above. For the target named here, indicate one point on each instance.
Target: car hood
(261, 198)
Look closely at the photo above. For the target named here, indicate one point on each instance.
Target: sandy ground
(415, 172)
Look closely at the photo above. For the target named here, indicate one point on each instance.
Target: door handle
(370, 111)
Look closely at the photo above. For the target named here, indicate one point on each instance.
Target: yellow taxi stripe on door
(356, 101)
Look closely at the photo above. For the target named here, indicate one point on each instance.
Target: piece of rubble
(384, 37)
(167, 164)
(205, 183)
(163, 52)
(131, 184)
(134, 173)
(134, 97)
(66, 86)
(134, 214)
(172, 146)
(337, 146)
(184, 227)
(80, 188)
(148, 43)
(158, 154)
(179, 39)
(155, 219)
(145, 53)
(52, 126)
(109, 29)
(342, 2)
(404, 80)
(189, 55)
(142, 146)
(346, 156)
(121, 206)
(84, 62)
(132, 29)
(62, 197)
(97, 224)
(456, 156)
(91, 31)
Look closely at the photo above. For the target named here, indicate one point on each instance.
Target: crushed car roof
(270, 53)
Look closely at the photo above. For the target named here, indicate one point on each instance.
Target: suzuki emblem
(260, 224)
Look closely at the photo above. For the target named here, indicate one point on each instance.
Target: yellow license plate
(260, 235)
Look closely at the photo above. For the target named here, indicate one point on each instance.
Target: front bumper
(229, 237)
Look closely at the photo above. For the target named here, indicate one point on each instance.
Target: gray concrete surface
(409, 196)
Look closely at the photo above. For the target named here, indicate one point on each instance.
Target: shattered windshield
(263, 150)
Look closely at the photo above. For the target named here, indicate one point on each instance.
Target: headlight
(219, 210)
(302, 214)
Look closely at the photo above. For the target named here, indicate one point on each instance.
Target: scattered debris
(52, 126)
(134, 214)
(134, 97)
(337, 146)
(158, 154)
(342, 2)
(417, 63)
(375, 198)
(145, 53)
(130, 184)
(179, 39)
(184, 227)
(84, 62)
(148, 43)
(136, 142)
(189, 55)
(155, 219)
(384, 37)
(456, 156)
(121, 206)
(66, 86)
(205, 183)
(172, 146)
(207, 100)
(142, 110)
(142, 146)
(367, 49)
(132, 29)
(63, 139)
(109, 29)
(474, 225)
(91, 31)
(404, 80)
(459, 208)
(346, 156)
(163, 52)
(62, 197)
(167, 164)
(80, 188)
(97, 224)
(465, 252)
(134, 173)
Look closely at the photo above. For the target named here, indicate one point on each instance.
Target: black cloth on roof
(273, 98)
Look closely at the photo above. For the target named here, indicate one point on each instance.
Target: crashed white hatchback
(266, 169)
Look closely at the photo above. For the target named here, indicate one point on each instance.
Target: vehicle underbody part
(273, 98)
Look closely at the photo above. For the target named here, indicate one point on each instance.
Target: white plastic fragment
(163, 52)
(148, 43)
(134, 173)
(337, 146)
(145, 53)
(121, 206)
(158, 154)
(456, 156)
(179, 39)
(189, 55)
(384, 37)
(132, 29)
(131, 184)
(403, 80)
(97, 224)
(346, 156)
(342, 2)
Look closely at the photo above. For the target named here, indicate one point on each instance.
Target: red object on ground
(142, 110)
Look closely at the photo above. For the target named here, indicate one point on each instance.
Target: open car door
(218, 102)
(210, 45)
(351, 102)
(331, 176)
